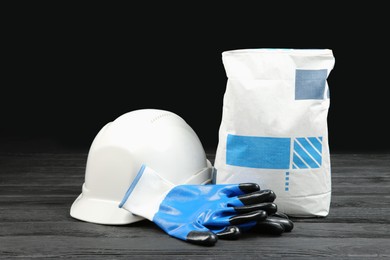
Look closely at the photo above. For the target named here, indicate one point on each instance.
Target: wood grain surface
(37, 190)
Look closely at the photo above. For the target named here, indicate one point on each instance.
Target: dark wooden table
(37, 190)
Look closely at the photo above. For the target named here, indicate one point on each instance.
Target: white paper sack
(274, 126)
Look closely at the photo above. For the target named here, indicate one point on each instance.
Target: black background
(68, 70)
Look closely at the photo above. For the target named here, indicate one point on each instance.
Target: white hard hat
(157, 138)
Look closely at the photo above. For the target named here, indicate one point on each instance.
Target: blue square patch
(310, 84)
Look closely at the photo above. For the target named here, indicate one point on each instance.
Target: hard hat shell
(158, 138)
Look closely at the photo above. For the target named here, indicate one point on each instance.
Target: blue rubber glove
(196, 214)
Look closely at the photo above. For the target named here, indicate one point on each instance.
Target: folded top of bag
(274, 64)
(281, 51)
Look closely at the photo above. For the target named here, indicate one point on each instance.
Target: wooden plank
(41, 190)
(336, 215)
(70, 188)
(32, 162)
(348, 209)
(42, 181)
(73, 227)
(23, 181)
(161, 247)
(23, 201)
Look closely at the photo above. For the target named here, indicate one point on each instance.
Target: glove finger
(257, 215)
(268, 207)
(269, 227)
(287, 224)
(234, 190)
(229, 216)
(192, 232)
(280, 215)
(229, 233)
(249, 187)
(257, 197)
(204, 238)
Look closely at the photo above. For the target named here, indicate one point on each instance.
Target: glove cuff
(145, 193)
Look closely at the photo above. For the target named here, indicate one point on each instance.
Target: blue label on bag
(310, 84)
(258, 152)
(273, 152)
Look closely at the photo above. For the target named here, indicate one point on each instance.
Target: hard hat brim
(101, 212)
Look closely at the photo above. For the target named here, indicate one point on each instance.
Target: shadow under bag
(274, 126)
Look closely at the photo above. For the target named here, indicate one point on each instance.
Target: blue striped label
(258, 152)
(307, 152)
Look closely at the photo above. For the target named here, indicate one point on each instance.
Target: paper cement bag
(274, 126)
